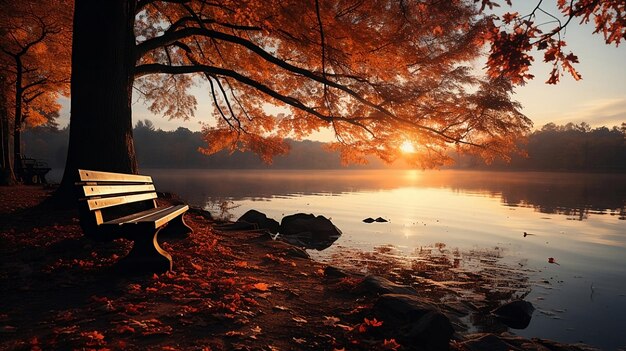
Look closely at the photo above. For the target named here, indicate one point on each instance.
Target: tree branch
(37, 82)
(168, 38)
(154, 68)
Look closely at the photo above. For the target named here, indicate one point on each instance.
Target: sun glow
(407, 147)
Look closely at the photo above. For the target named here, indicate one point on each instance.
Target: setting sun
(407, 147)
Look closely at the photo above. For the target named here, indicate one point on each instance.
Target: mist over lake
(477, 219)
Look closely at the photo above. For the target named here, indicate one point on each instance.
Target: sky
(599, 99)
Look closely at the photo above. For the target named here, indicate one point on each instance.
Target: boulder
(515, 314)
(414, 322)
(260, 221)
(309, 231)
(372, 220)
(334, 272)
(379, 285)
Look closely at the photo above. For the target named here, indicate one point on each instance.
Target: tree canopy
(377, 73)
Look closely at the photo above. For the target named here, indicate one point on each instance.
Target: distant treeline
(570, 147)
(179, 149)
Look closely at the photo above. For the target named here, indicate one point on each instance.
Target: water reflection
(574, 195)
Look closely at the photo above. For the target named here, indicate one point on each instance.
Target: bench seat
(157, 216)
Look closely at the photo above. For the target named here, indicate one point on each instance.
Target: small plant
(223, 209)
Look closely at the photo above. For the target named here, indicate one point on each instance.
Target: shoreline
(228, 291)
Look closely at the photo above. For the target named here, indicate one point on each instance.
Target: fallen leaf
(122, 329)
(95, 335)
(233, 333)
(373, 322)
(261, 286)
(330, 321)
(299, 320)
(345, 327)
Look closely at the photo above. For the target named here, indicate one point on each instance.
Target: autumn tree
(34, 56)
(376, 73)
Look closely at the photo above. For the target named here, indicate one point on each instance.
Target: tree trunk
(7, 176)
(17, 123)
(103, 62)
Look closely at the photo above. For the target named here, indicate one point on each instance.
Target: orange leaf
(124, 329)
(261, 286)
(373, 322)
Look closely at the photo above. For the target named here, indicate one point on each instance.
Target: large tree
(377, 73)
(34, 66)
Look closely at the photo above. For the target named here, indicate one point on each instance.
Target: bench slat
(160, 219)
(97, 176)
(95, 190)
(105, 202)
(137, 216)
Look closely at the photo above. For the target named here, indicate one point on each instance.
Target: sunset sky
(598, 99)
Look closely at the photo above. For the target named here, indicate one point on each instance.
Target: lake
(460, 231)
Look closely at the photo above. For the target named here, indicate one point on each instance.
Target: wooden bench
(117, 205)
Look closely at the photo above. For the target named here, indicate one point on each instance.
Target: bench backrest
(107, 195)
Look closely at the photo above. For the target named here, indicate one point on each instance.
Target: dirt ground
(227, 291)
(232, 290)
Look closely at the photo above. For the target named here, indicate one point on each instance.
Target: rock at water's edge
(515, 314)
(414, 321)
(260, 221)
(379, 285)
(309, 231)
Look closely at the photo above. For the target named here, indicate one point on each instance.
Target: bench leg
(176, 228)
(146, 256)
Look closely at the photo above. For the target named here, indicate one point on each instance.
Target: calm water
(578, 220)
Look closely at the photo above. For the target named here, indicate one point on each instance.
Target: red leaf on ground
(261, 286)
